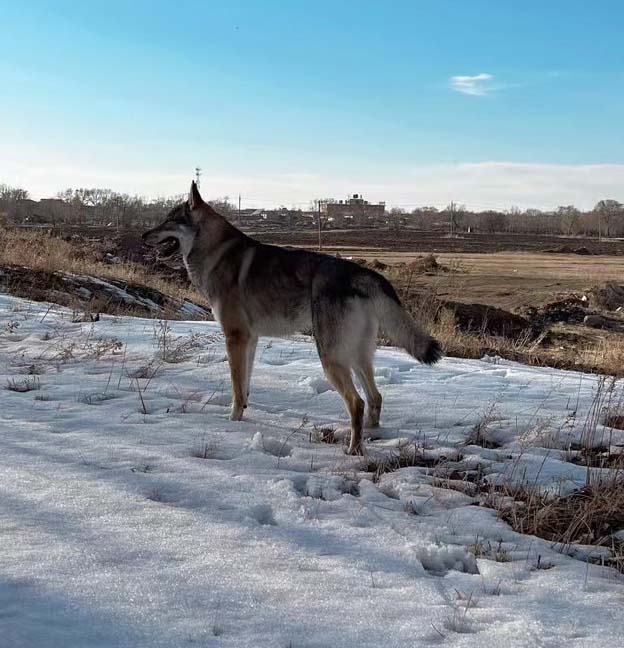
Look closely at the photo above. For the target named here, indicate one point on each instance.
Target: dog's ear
(194, 199)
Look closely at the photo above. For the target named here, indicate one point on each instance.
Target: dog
(256, 289)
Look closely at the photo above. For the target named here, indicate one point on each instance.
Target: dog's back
(285, 290)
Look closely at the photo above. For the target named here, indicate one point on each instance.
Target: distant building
(249, 216)
(281, 217)
(355, 212)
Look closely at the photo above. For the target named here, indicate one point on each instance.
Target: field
(543, 287)
(552, 282)
(410, 240)
(502, 270)
(512, 280)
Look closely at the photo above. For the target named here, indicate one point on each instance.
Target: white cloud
(476, 85)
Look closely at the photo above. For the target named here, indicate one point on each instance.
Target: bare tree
(569, 219)
(609, 212)
(12, 194)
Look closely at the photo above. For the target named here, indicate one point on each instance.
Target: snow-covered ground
(134, 513)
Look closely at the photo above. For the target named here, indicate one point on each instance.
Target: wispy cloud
(476, 85)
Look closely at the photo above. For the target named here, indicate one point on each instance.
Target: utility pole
(197, 174)
(320, 244)
(451, 209)
(239, 209)
(599, 227)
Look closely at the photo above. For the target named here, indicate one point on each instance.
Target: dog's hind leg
(340, 377)
(363, 365)
(338, 324)
(251, 355)
(366, 375)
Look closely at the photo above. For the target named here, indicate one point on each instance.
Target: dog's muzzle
(168, 246)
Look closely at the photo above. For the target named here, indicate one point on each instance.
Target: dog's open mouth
(168, 247)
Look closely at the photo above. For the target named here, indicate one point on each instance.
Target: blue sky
(489, 103)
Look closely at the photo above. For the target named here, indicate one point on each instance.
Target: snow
(134, 513)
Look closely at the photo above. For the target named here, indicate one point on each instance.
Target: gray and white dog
(257, 289)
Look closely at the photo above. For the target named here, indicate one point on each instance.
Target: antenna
(197, 174)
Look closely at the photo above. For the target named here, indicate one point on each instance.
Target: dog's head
(174, 237)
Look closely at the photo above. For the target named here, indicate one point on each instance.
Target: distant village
(98, 208)
(352, 212)
(104, 208)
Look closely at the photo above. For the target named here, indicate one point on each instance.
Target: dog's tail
(401, 329)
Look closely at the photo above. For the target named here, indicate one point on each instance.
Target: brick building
(355, 212)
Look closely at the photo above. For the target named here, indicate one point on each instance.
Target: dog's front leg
(236, 346)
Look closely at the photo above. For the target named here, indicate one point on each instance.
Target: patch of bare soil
(418, 241)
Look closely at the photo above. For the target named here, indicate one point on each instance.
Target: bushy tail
(403, 331)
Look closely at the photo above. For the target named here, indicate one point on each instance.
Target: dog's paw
(237, 413)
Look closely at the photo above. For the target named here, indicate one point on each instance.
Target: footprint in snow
(439, 560)
(325, 487)
(271, 445)
(262, 514)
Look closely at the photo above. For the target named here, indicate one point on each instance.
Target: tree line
(606, 219)
(95, 206)
(108, 208)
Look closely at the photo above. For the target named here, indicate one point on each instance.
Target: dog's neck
(215, 237)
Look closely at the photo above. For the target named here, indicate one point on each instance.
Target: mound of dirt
(376, 264)
(482, 318)
(96, 294)
(568, 249)
(571, 310)
(424, 264)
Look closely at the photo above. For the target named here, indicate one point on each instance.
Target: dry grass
(589, 516)
(40, 250)
(180, 348)
(480, 434)
(408, 455)
(324, 434)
